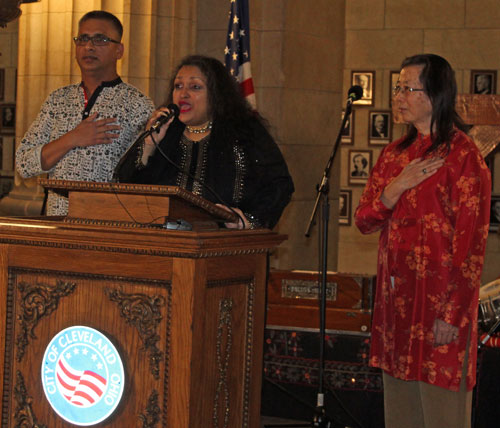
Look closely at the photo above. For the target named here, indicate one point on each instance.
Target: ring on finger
(424, 170)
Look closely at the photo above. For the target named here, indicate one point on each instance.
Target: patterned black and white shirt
(61, 112)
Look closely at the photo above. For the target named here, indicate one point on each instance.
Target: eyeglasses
(97, 40)
(404, 90)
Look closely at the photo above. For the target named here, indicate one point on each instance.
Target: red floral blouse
(431, 252)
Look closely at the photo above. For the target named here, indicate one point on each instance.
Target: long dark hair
(225, 101)
(438, 80)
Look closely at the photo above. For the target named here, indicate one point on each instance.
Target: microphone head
(355, 93)
(174, 108)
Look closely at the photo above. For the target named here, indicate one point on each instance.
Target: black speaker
(353, 390)
(485, 405)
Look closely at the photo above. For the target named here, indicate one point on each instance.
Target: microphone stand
(321, 419)
(124, 157)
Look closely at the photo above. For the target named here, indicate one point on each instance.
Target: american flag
(81, 388)
(237, 51)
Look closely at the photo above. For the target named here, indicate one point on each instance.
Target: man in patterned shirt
(83, 129)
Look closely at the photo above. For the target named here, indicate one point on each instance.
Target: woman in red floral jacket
(429, 196)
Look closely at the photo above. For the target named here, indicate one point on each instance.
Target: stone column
(156, 35)
(297, 55)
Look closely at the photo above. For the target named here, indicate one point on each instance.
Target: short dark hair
(438, 80)
(104, 16)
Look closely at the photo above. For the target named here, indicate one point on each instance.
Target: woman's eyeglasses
(404, 90)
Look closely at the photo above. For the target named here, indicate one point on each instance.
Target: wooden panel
(137, 203)
(84, 261)
(222, 343)
(3, 311)
(148, 209)
(182, 355)
(257, 316)
(340, 320)
(51, 233)
(96, 272)
(46, 302)
(292, 298)
(139, 208)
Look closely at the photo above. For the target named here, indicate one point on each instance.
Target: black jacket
(245, 168)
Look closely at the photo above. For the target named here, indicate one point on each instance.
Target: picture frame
(379, 127)
(360, 164)
(393, 81)
(365, 79)
(483, 82)
(7, 118)
(348, 131)
(495, 213)
(2, 84)
(345, 207)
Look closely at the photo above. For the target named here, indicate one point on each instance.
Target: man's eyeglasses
(404, 90)
(97, 40)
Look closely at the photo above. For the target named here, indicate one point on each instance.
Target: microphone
(174, 111)
(355, 93)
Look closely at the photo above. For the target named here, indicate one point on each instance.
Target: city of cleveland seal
(82, 375)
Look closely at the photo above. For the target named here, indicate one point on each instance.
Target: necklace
(201, 130)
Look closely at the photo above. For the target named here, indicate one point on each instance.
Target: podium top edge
(97, 186)
(63, 186)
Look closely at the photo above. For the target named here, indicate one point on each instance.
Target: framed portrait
(348, 131)
(345, 205)
(365, 79)
(495, 213)
(360, 164)
(2, 84)
(7, 118)
(394, 77)
(483, 82)
(379, 128)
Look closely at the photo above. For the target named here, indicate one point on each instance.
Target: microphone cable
(196, 179)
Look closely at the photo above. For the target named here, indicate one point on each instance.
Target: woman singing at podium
(217, 147)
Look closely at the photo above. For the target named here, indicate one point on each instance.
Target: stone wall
(8, 75)
(156, 35)
(303, 55)
(297, 52)
(379, 35)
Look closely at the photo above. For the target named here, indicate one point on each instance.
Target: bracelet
(252, 221)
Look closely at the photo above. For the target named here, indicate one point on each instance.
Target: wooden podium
(184, 309)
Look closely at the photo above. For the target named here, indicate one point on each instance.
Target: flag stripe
(64, 384)
(247, 87)
(73, 374)
(237, 51)
(81, 388)
(97, 377)
(92, 386)
(84, 395)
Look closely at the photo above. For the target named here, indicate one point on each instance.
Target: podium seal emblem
(82, 375)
